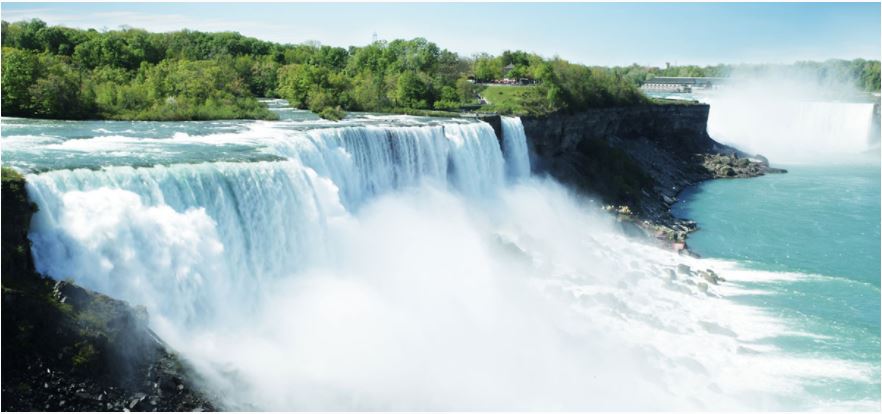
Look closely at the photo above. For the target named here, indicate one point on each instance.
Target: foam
(394, 268)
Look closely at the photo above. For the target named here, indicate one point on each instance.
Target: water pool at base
(816, 230)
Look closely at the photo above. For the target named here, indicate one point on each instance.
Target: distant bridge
(684, 84)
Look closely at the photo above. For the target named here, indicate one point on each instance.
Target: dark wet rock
(710, 276)
(733, 166)
(684, 269)
(633, 156)
(495, 122)
(66, 348)
(639, 158)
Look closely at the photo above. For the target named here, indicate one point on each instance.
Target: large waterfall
(794, 130)
(186, 236)
(395, 263)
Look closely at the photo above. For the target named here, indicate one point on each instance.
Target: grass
(425, 112)
(10, 175)
(662, 101)
(505, 99)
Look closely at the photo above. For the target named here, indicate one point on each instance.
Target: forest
(65, 73)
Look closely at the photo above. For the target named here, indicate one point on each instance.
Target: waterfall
(180, 238)
(366, 161)
(791, 130)
(373, 265)
(514, 145)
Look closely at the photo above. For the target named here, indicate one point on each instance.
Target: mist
(794, 115)
(377, 279)
(526, 299)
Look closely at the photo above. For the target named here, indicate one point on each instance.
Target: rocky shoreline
(673, 231)
(636, 161)
(66, 348)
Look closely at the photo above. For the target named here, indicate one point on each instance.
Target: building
(680, 84)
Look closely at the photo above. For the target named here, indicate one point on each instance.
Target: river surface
(816, 231)
(407, 263)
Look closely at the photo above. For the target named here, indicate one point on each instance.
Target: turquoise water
(821, 223)
(334, 251)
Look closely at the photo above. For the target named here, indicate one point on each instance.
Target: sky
(595, 34)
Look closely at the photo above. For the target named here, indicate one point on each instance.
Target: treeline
(864, 75)
(59, 72)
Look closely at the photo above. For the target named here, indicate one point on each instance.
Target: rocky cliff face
(66, 348)
(640, 157)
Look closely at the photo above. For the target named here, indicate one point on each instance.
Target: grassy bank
(510, 100)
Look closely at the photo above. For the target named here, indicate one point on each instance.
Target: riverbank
(720, 166)
(66, 348)
(637, 160)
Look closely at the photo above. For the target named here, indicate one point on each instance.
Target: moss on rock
(67, 348)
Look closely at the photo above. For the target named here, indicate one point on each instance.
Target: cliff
(66, 348)
(640, 157)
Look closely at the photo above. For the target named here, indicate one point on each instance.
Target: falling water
(790, 130)
(514, 146)
(386, 263)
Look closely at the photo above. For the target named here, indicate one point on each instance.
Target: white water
(393, 268)
(514, 146)
(792, 130)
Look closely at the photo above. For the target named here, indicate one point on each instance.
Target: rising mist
(793, 115)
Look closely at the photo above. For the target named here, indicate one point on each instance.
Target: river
(406, 263)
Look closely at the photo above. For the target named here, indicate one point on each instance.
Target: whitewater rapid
(395, 263)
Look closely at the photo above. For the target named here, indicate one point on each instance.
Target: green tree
(60, 95)
(487, 68)
(466, 89)
(449, 99)
(411, 91)
(20, 69)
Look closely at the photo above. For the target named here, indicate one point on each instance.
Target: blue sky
(599, 33)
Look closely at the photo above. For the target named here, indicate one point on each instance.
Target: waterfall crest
(380, 266)
(180, 238)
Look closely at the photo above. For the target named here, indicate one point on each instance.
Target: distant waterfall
(514, 146)
(792, 130)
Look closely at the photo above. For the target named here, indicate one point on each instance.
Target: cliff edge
(637, 159)
(66, 348)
